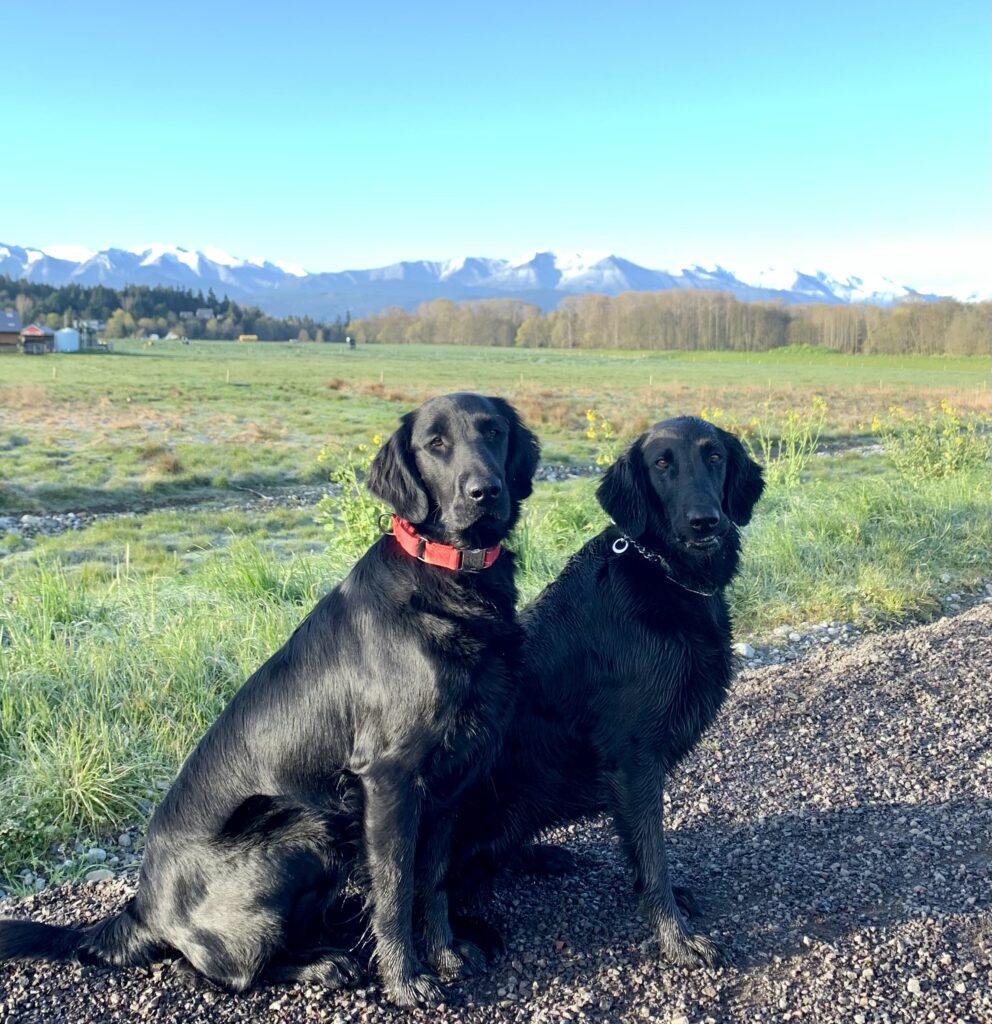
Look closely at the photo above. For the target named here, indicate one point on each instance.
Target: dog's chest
(470, 729)
(669, 694)
(698, 698)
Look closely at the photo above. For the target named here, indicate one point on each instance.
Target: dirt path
(836, 825)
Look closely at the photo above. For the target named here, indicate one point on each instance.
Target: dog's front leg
(635, 789)
(453, 957)
(391, 824)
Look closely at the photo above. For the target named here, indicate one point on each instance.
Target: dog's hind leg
(546, 859)
(329, 968)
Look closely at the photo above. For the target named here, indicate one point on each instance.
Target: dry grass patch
(253, 432)
(165, 463)
(542, 406)
(24, 396)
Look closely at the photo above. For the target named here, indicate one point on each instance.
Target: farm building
(10, 331)
(67, 340)
(37, 340)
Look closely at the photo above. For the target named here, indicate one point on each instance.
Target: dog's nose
(702, 520)
(481, 489)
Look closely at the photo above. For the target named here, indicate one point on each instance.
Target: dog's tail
(121, 941)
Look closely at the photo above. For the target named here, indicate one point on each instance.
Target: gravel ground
(836, 825)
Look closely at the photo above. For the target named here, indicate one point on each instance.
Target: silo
(67, 340)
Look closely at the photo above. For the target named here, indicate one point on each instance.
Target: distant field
(145, 424)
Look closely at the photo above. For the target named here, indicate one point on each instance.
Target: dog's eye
(716, 457)
(492, 434)
(662, 463)
(436, 442)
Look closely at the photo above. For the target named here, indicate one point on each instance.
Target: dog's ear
(744, 482)
(523, 451)
(393, 475)
(621, 492)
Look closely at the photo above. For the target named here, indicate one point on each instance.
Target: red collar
(429, 551)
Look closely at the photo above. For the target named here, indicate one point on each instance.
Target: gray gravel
(835, 824)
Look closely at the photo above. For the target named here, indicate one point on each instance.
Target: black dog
(383, 706)
(628, 659)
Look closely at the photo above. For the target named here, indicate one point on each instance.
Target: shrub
(938, 444)
(351, 515)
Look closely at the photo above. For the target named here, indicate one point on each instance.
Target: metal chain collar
(623, 542)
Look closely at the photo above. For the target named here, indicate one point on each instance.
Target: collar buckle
(472, 559)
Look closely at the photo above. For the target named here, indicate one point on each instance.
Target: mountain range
(545, 278)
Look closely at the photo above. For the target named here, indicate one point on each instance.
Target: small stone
(961, 988)
(124, 840)
(95, 855)
(99, 875)
(913, 986)
(745, 650)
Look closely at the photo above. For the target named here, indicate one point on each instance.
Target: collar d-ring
(620, 545)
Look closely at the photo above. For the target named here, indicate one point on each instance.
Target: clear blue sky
(852, 137)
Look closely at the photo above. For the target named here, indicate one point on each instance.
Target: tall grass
(106, 685)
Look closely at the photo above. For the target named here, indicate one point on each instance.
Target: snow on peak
(191, 259)
(577, 264)
(221, 257)
(452, 266)
(72, 253)
(778, 279)
(152, 254)
(289, 268)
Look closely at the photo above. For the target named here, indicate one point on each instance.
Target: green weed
(786, 453)
(938, 443)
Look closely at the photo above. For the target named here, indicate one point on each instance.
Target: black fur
(627, 663)
(359, 734)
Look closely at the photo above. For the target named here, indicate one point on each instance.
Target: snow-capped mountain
(544, 278)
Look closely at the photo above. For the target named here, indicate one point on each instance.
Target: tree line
(690, 320)
(671, 320)
(141, 310)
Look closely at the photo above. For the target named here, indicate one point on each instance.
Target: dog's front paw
(687, 949)
(421, 989)
(462, 959)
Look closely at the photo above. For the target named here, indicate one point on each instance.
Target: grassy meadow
(120, 642)
(145, 425)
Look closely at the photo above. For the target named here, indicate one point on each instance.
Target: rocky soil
(836, 825)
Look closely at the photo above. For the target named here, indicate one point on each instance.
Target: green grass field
(120, 642)
(145, 425)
